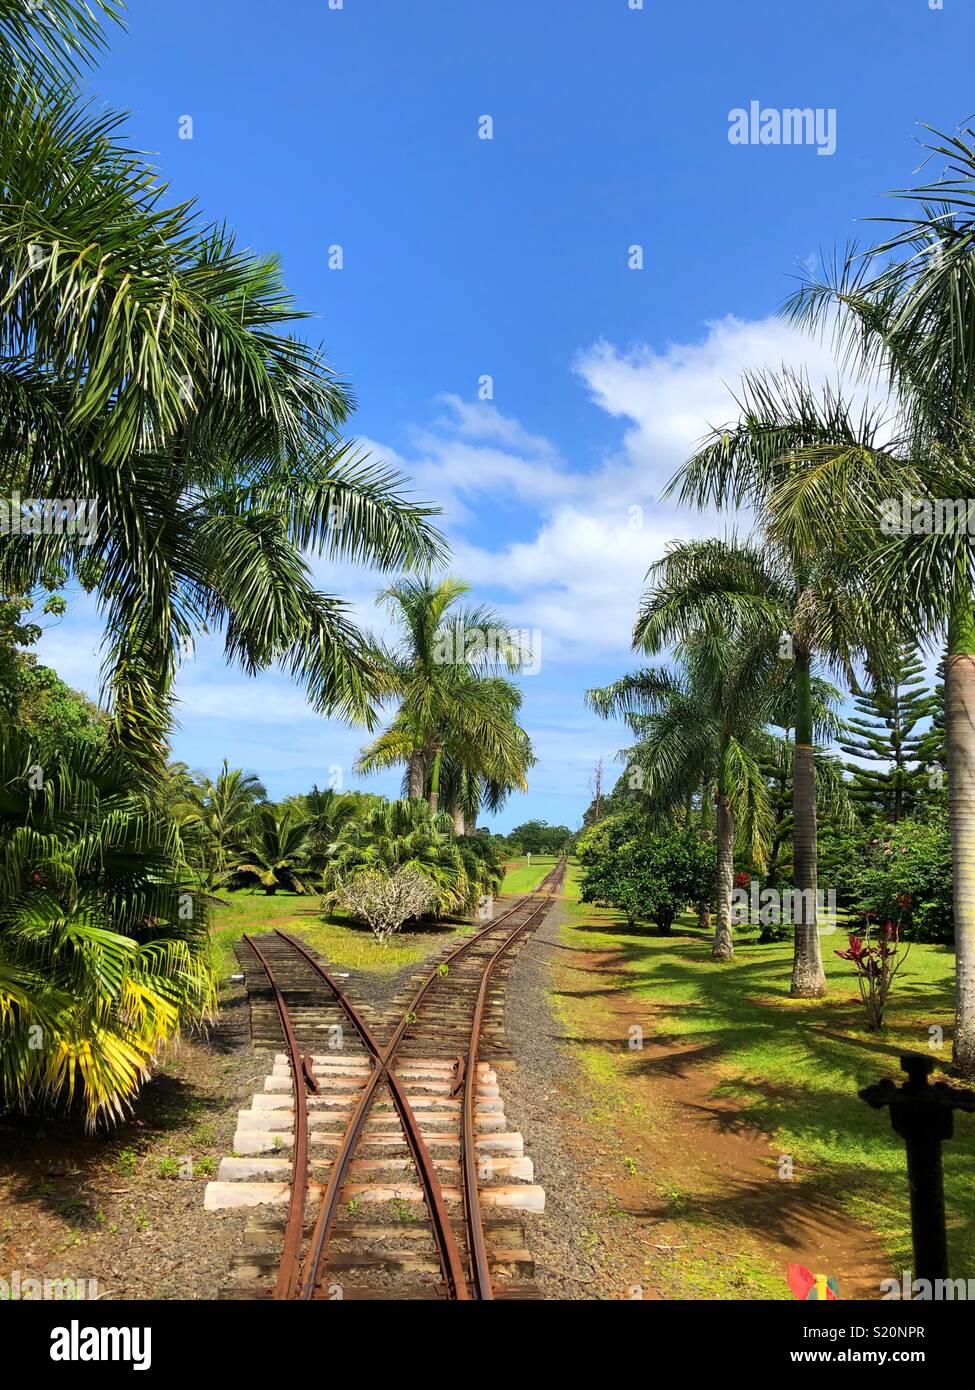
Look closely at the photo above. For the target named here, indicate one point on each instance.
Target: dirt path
(685, 1196)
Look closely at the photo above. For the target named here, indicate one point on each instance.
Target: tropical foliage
(862, 554)
(406, 834)
(276, 855)
(103, 948)
(649, 876)
(889, 775)
(212, 467)
(151, 377)
(538, 837)
(455, 726)
(386, 900)
(904, 875)
(224, 808)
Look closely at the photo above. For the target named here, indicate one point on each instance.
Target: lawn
(339, 940)
(794, 1065)
(522, 877)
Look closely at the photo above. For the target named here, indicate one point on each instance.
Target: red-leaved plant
(877, 956)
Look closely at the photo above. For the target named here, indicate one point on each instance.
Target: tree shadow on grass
(647, 930)
(741, 1014)
(747, 1009)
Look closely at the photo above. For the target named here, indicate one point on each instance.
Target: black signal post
(923, 1115)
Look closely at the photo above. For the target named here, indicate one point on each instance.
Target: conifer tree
(933, 749)
(885, 735)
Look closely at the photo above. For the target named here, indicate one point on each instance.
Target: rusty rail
(301, 1078)
(450, 1261)
(480, 1276)
(477, 1247)
(297, 1278)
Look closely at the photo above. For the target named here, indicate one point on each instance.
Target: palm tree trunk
(435, 781)
(808, 977)
(724, 947)
(470, 824)
(707, 801)
(417, 775)
(458, 818)
(960, 738)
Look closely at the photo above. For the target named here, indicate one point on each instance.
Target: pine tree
(886, 735)
(933, 749)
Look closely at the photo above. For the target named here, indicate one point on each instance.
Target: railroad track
(377, 1162)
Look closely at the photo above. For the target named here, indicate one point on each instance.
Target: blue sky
(357, 127)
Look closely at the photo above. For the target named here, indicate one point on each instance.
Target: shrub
(905, 876)
(402, 835)
(277, 855)
(644, 873)
(483, 864)
(877, 956)
(385, 902)
(103, 950)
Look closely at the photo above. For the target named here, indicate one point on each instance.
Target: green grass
(522, 877)
(342, 942)
(345, 943)
(796, 1065)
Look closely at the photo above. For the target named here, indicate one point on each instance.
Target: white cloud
(254, 700)
(578, 579)
(471, 452)
(672, 398)
(580, 574)
(482, 420)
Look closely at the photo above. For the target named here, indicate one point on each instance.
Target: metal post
(923, 1115)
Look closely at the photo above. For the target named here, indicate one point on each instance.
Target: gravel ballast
(579, 1246)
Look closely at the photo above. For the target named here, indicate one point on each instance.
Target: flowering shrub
(910, 860)
(386, 901)
(876, 960)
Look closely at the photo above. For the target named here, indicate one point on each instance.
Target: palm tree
(224, 807)
(471, 776)
(143, 367)
(103, 947)
(906, 309)
(53, 40)
(696, 731)
(327, 813)
(833, 801)
(398, 835)
(277, 852)
(484, 866)
(466, 790)
(175, 791)
(452, 701)
(798, 601)
(688, 724)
